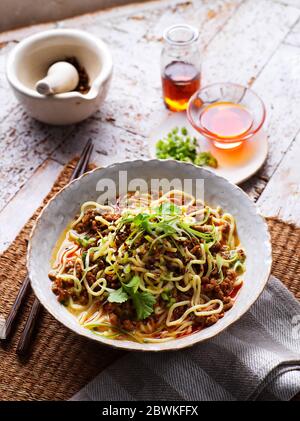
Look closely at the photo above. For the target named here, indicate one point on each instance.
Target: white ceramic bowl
(252, 230)
(29, 62)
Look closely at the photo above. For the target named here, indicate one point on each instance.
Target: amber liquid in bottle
(180, 81)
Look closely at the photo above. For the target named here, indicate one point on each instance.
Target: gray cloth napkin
(257, 358)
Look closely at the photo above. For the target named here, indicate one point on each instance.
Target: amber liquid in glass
(180, 81)
(226, 120)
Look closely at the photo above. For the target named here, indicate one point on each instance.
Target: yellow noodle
(131, 257)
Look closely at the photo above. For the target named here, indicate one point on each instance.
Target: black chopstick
(9, 323)
(11, 318)
(26, 336)
(83, 161)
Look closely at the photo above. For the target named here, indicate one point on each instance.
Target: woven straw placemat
(61, 362)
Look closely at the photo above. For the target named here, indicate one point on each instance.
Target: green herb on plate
(182, 147)
(206, 158)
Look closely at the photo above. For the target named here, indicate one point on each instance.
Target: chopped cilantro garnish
(206, 158)
(180, 146)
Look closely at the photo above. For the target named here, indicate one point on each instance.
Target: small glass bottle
(180, 66)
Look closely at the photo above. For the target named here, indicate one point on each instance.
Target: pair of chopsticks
(26, 336)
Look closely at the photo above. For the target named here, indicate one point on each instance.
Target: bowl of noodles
(149, 255)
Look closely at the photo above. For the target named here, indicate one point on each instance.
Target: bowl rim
(211, 135)
(103, 52)
(172, 345)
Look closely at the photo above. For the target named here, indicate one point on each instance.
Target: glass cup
(238, 114)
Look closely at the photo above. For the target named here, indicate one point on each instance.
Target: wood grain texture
(279, 86)
(284, 188)
(126, 114)
(17, 35)
(28, 199)
(244, 46)
(295, 3)
(253, 42)
(293, 37)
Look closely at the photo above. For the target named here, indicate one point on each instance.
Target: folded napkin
(257, 358)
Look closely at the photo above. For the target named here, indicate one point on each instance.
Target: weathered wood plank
(19, 34)
(246, 43)
(86, 19)
(136, 42)
(137, 85)
(295, 3)
(122, 125)
(26, 201)
(293, 37)
(135, 92)
(111, 143)
(208, 15)
(236, 56)
(281, 197)
(23, 148)
(279, 86)
(24, 142)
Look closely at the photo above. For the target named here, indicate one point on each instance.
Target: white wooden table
(253, 42)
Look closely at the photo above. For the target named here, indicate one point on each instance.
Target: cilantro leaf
(118, 296)
(132, 286)
(142, 221)
(143, 303)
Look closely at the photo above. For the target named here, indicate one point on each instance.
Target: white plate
(235, 165)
